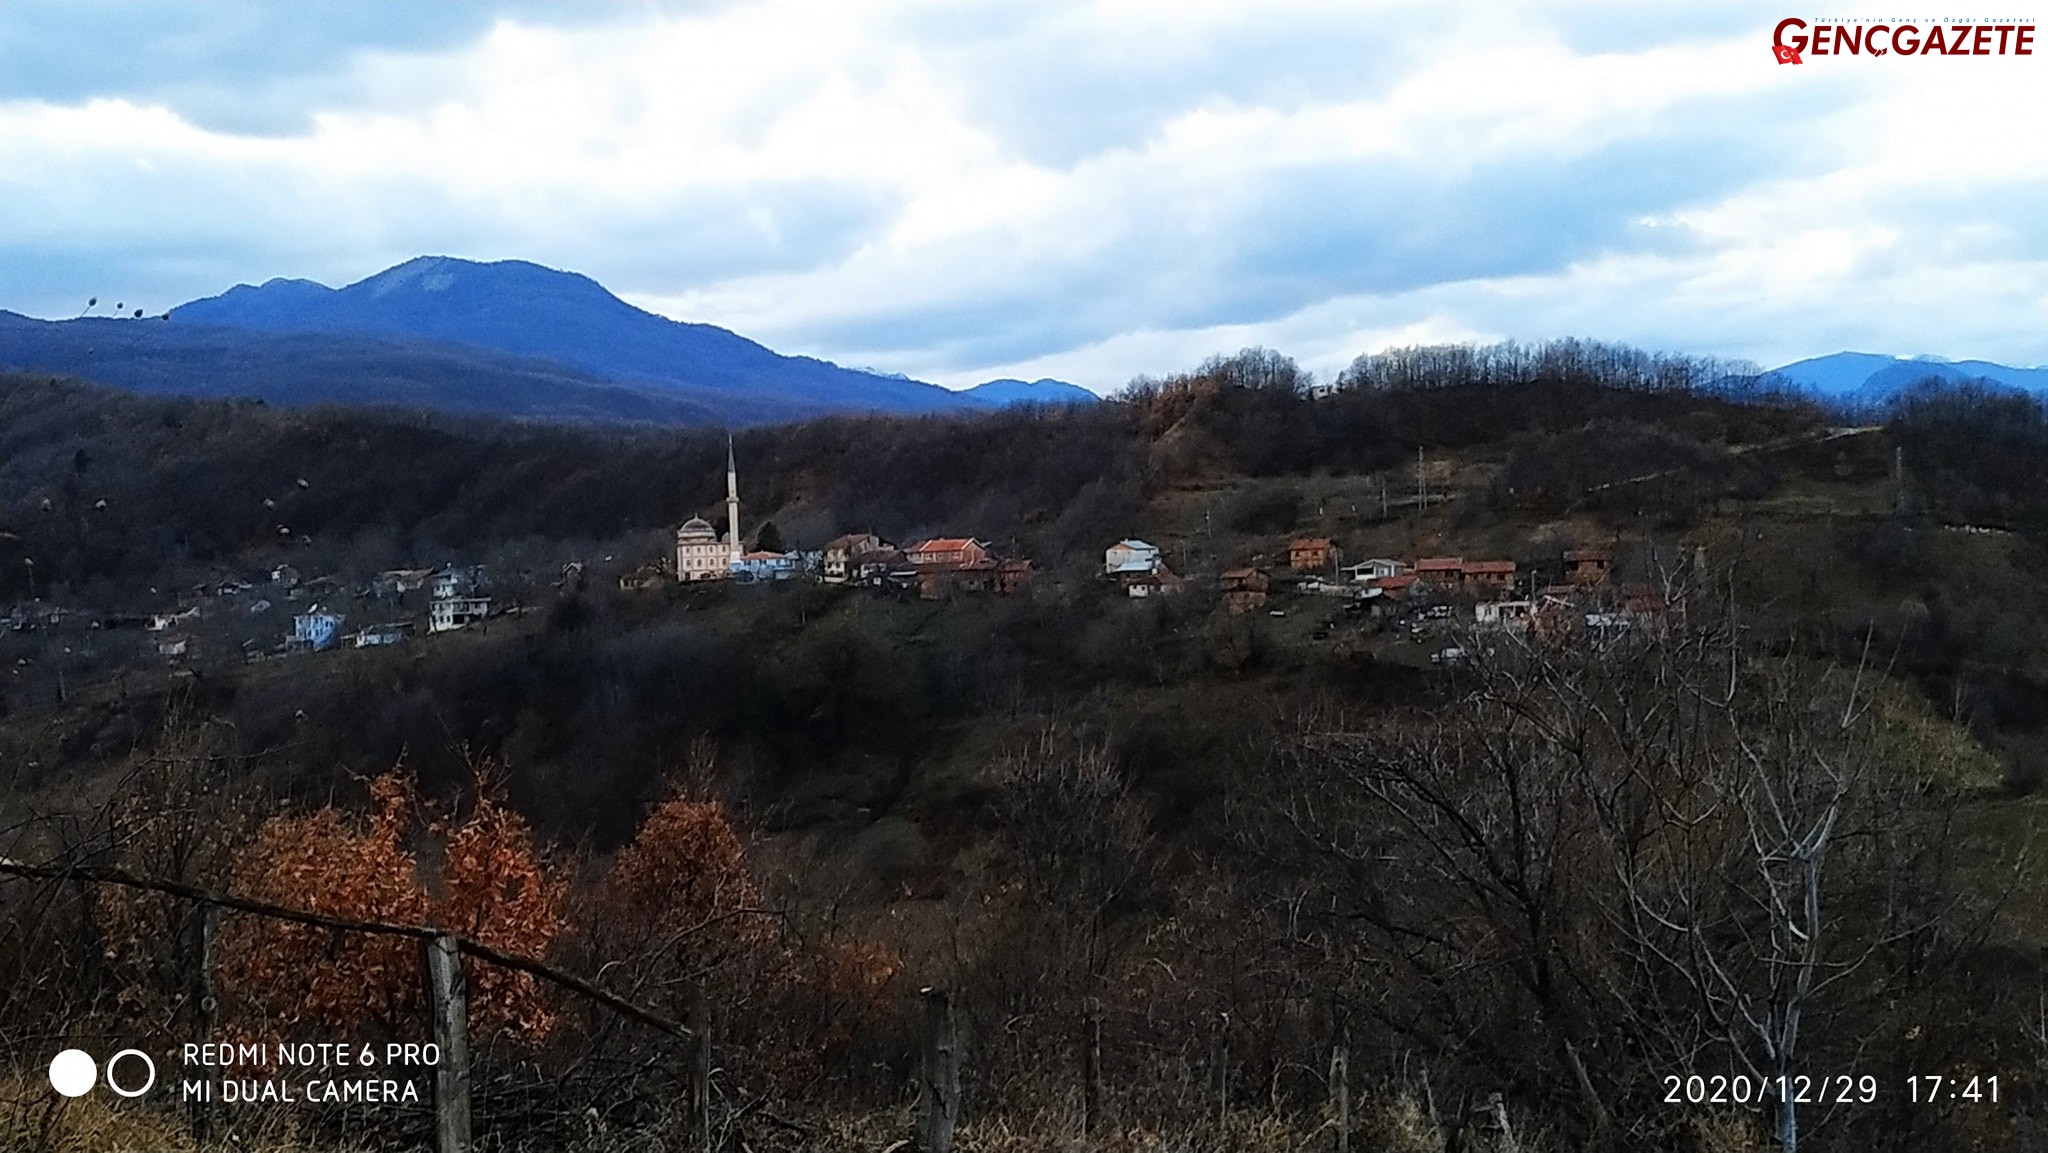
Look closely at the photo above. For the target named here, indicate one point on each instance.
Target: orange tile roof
(946, 544)
(1490, 566)
(1440, 564)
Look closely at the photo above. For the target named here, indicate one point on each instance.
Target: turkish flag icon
(1786, 53)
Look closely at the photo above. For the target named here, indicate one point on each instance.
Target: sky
(1026, 188)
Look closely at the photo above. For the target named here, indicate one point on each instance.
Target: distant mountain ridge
(1045, 390)
(1874, 377)
(518, 308)
(313, 368)
(509, 338)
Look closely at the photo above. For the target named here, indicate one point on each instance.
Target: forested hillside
(1185, 872)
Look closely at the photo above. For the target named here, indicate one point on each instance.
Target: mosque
(700, 555)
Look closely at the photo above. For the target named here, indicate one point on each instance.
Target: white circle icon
(139, 1055)
(72, 1073)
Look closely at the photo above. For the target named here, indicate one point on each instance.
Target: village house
(1130, 556)
(315, 629)
(1587, 566)
(871, 569)
(1442, 572)
(378, 635)
(453, 613)
(846, 556)
(1157, 581)
(1377, 568)
(1244, 589)
(1312, 554)
(1489, 575)
(1392, 586)
(456, 581)
(759, 567)
(947, 552)
(1513, 616)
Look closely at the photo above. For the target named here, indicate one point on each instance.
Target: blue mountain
(314, 368)
(519, 309)
(1004, 393)
(1868, 376)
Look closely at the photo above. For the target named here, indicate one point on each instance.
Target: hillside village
(1197, 609)
(1420, 598)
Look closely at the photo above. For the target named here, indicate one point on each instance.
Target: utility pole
(1421, 480)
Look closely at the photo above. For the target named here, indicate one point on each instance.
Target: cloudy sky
(1030, 188)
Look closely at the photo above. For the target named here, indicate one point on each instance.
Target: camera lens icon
(73, 1073)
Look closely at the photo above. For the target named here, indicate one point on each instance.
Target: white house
(845, 556)
(457, 612)
(1130, 556)
(1375, 569)
(377, 635)
(1512, 615)
(457, 581)
(1158, 582)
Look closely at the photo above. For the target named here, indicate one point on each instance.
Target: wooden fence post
(700, 1065)
(204, 921)
(1340, 1093)
(1221, 1060)
(448, 1002)
(1091, 1070)
(938, 1105)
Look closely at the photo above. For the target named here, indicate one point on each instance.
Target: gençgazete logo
(1794, 39)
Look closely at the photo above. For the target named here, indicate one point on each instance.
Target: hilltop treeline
(1614, 366)
(110, 493)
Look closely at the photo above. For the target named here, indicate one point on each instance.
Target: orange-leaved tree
(493, 888)
(281, 973)
(679, 902)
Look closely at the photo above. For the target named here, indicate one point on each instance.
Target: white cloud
(1090, 191)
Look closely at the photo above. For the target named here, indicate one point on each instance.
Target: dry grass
(34, 1119)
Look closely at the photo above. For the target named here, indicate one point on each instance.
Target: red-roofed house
(1312, 554)
(947, 552)
(1445, 572)
(1490, 574)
